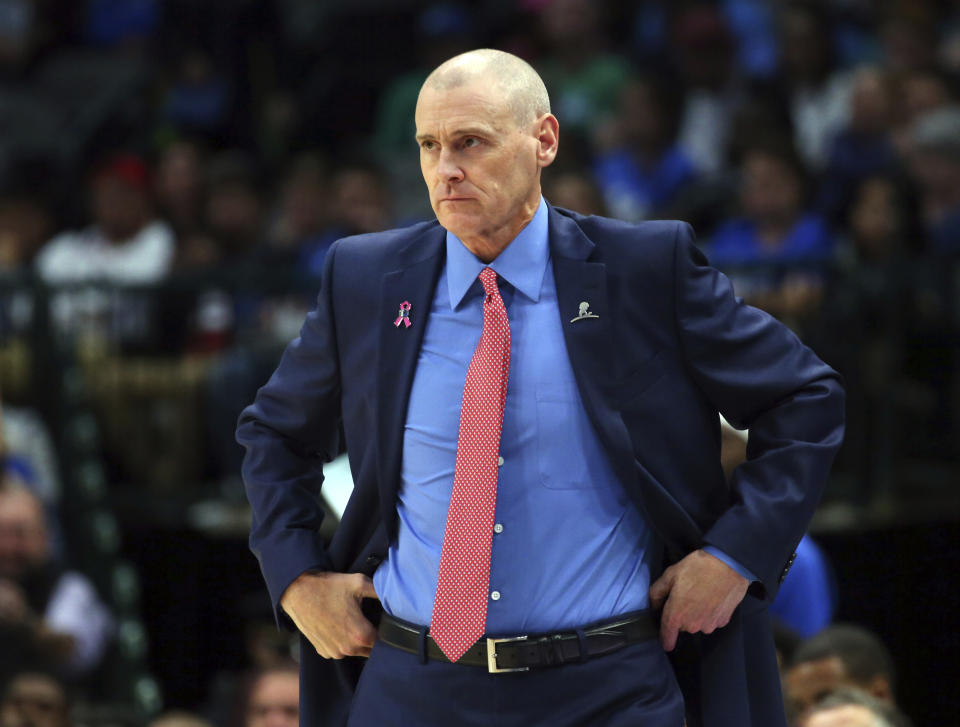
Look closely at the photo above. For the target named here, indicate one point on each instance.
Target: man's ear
(548, 139)
(880, 688)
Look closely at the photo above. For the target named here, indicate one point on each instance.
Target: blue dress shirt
(569, 547)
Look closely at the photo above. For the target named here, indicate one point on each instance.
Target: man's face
(810, 681)
(120, 209)
(23, 536)
(33, 700)
(480, 165)
(275, 701)
(849, 715)
(769, 190)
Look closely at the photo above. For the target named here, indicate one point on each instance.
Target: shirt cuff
(723, 557)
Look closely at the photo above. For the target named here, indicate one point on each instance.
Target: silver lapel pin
(584, 313)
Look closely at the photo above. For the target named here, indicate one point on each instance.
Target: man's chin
(461, 224)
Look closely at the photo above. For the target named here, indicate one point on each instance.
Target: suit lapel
(580, 279)
(398, 349)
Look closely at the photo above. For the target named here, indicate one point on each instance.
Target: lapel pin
(404, 317)
(584, 313)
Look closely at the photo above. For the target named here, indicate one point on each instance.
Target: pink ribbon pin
(404, 316)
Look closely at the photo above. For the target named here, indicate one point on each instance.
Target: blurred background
(172, 173)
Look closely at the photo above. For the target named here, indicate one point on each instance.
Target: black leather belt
(522, 653)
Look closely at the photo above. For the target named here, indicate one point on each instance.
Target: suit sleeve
(288, 432)
(760, 376)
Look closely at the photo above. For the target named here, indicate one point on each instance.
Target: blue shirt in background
(737, 242)
(632, 191)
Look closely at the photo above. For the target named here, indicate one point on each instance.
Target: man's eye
(427, 145)
(471, 141)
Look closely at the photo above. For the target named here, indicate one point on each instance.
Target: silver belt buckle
(492, 667)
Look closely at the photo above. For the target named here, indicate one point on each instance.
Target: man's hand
(698, 594)
(326, 609)
(13, 603)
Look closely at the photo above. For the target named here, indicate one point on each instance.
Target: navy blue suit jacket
(671, 347)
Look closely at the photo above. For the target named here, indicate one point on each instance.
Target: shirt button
(499, 461)
(495, 595)
(498, 528)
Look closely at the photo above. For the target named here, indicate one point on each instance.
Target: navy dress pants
(633, 687)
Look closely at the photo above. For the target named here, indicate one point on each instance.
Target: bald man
(529, 400)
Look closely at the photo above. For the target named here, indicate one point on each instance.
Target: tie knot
(488, 277)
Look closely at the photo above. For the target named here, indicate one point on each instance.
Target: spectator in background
(575, 190)
(49, 616)
(199, 100)
(177, 718)
(918, 93)
(774, 228)
(125, 243)
(907, 32)
(273, 699)
(842, 655)
(25, 224)
(34, 699)
(360, 204)
(301, 215)
(818, 95)
(234, 206)
(704, 60)
(28, 459)
(267, 648)
(179, 185)
(852, 708)
(584, 79)
(865, 147)
(873, 301)
(645, 169)
(934, 164)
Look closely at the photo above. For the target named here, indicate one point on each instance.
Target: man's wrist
(734, 564)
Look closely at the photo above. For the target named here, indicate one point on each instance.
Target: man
(34, 699)
(529, 401)
(853, 708)
(274, 697)
(842, 655)
(124, 245)
(49, 617)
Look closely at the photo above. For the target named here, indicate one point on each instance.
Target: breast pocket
(566, 443)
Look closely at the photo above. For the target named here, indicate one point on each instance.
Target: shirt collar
(522, 263)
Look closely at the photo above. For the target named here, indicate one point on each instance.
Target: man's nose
(447, 167)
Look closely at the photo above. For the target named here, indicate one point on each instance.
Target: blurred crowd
(172, 173)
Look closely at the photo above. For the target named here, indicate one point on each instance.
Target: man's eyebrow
(462, 131)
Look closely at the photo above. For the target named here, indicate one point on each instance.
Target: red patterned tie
(460, 606)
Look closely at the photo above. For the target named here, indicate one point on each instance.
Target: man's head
(34, 700)
(274, 699)
(485, 133)
(853, 708)
(121, 197)
(23, 533)
(772, 183)
(839, 656)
